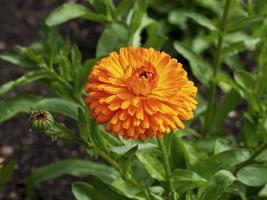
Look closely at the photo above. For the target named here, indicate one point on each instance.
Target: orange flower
(140, 93)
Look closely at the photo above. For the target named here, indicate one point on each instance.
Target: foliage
(6, 173)
(207, 160)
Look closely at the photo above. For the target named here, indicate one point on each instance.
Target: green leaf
(226, 160)
(33, 54)
(182, 153)
(123, 6)
(145, 147)
(223, 144)
(156, 197)
(58, 105)
(97, 136)
(156, 37)
(138, 12)
(130, 153)
(82, 78)
(6, 173)
(65, 12)
(73, 167)
(115, 36)
(234, 62)
(240, 189)
(188, 196)
(207, 145)
(179, 18)
(263, 192)
(253, 175)
(244, 79)
(99, 5)
(238, 42)
(262, 84)
(152, 164)
(218, 184)
(136, 37)
(184, 180)
(247, 81)
(225, 81)
(173, 195)
(59, 89)
(230, 101)
(248, 135)
(15, 105)
(83, 124)
(262, 157)
(202, 42)
(241, 22)
(70, 11)
(200, 68)
(103, 6)
(125, 160)
(84, 191)
(24, 80)
(215, 6)
(237, 12)
(162, 7)
(127, 188)
(202, 21)
(26, 104)
(108, 138)
(108, 191)
(201, 107)
(17, 60)
(98, 190)
(76, 56)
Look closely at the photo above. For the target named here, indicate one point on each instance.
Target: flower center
(39, 116)
(143, 79)
(145, 74)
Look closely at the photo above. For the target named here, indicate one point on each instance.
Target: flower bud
(41, 121)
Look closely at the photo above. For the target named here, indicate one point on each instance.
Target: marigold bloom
(140, 93)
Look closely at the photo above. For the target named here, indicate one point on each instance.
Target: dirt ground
(20, 24)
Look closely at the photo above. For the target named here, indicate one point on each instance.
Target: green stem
(103, 154)
(59, 78)
(107, 158)
(113, 163)
(216, 64)
(250, 7)
(166, 163)
(252, 158)
(116, 166)
(141, 187)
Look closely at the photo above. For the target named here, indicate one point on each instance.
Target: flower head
(140, 93)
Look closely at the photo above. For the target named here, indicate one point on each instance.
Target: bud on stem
(44, 121)
(41, 121)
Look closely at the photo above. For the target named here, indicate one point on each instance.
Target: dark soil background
(20, 24)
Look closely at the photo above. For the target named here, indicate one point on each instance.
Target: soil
(20, 24)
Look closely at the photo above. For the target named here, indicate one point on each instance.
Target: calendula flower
(140, 93)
